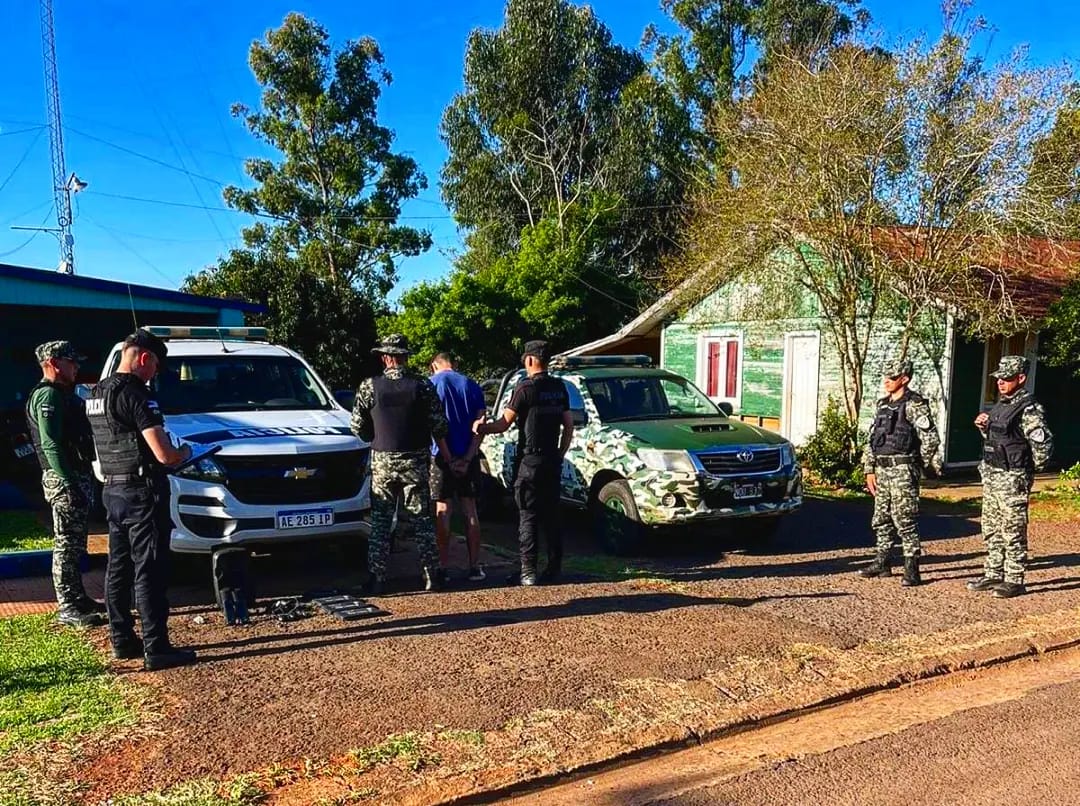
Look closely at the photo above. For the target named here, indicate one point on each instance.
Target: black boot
(911, 572)
(880, 567)
(983, 584)
(71, 616)
(167, 658)
(87, 605)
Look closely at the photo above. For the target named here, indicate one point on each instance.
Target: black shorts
(445, 485)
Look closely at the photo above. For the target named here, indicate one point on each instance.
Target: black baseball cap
(538, 349)
(148, 341)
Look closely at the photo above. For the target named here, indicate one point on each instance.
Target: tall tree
(552, 114)
(328, 207)
(877, 184)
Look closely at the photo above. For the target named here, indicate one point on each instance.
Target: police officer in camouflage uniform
(903, 441)
(56, 417)
(400, 414)
(1016, 443)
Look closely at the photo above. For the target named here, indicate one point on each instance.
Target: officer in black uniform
(541, 407)
(134, 451)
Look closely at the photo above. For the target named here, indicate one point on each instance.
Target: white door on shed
(802, 352)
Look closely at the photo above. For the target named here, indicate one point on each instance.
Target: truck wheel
(616, 520)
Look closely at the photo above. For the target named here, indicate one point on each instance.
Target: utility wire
(132, 250)
(27, 242)
(21, 131)
(147, 157)
(22, 159)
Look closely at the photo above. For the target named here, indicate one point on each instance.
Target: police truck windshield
(202, 384)
(648, 398)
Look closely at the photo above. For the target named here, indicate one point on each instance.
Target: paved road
(1005, 735)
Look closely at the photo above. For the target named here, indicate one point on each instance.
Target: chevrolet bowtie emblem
(301, 473)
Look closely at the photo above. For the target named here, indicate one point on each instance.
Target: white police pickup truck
(288, 469)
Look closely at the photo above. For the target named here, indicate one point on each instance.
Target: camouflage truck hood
(695, 434)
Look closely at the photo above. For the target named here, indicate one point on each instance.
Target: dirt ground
(475, 658)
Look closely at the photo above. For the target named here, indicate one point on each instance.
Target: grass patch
(53, 685)
(835, 493)
(23, 531)
(200, 792)
(401, 747)
(1052, 505)
(602, 567)
(473, 737)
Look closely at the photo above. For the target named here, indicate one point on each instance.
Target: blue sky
(155, 80)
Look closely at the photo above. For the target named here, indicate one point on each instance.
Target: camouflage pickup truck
(651, 449)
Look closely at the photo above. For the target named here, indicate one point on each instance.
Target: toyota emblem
(744, 456)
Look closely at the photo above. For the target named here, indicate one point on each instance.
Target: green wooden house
(779, 369)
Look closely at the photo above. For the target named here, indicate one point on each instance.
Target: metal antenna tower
(62, 184)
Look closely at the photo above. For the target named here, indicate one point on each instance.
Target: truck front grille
(740, 462)
(301, 479)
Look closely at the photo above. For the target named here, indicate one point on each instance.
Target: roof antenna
(221, 337)
(131, 301)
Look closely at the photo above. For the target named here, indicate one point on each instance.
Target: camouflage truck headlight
(673, 461)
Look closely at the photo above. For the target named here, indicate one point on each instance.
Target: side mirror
(345, 397)
(577, 416)
(725, 407)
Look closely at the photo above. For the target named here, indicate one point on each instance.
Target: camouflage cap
(58, 349)
(394, 344)
(897, 367)
(1010, 366)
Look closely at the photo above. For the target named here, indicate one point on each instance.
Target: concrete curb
(880, 666)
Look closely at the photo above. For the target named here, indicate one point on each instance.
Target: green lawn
(53, 685)
(23, 531)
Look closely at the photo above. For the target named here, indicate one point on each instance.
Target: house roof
(646, 323)
(1036, 269)
(78, 281)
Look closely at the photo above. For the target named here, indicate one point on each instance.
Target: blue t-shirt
(462, 400)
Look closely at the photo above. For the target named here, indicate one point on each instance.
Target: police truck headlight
(675, 461)
(787, 454)
(207, 469)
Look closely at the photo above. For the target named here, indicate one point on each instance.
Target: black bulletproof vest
(892, 433)
(117, 444)
(399, 416)
(539, 434)
(1005, 447)
(78, 447)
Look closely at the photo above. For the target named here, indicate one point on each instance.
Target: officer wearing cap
(56, 417)
(1016, 442)
(400, 414)
(903, 442)
(134, 451)
(540, 406)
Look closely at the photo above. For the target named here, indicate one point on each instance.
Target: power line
(22, 131)
(37, 232)
(146, 157)
(131, 249)
(22, 159)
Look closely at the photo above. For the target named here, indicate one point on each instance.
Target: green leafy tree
(324, 251)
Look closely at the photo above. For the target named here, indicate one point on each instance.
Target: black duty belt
(893, 461)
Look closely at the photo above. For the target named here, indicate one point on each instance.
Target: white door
(799, 413)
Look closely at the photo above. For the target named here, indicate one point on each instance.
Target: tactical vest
(892, 433)
(1005, 447)
(117, 444)
(399, 415)
(78, 446)
(539, 435)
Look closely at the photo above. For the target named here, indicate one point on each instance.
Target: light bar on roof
(208, 332)
(582, 361)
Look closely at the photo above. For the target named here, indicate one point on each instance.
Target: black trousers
(139, 527)
(536, 491)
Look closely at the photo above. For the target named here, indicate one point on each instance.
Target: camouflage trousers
(1004, 522)
(69, 530)
(896, 507)
(400, 477)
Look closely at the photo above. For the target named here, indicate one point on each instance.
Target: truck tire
(615, 518)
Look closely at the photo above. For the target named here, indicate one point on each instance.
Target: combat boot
(911, 572)
(432, 580)
(983, 584)
(87, 605)
(880, 567)
(70, 616)
(1007, 590)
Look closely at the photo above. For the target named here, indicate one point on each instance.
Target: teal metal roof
(24, 286)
